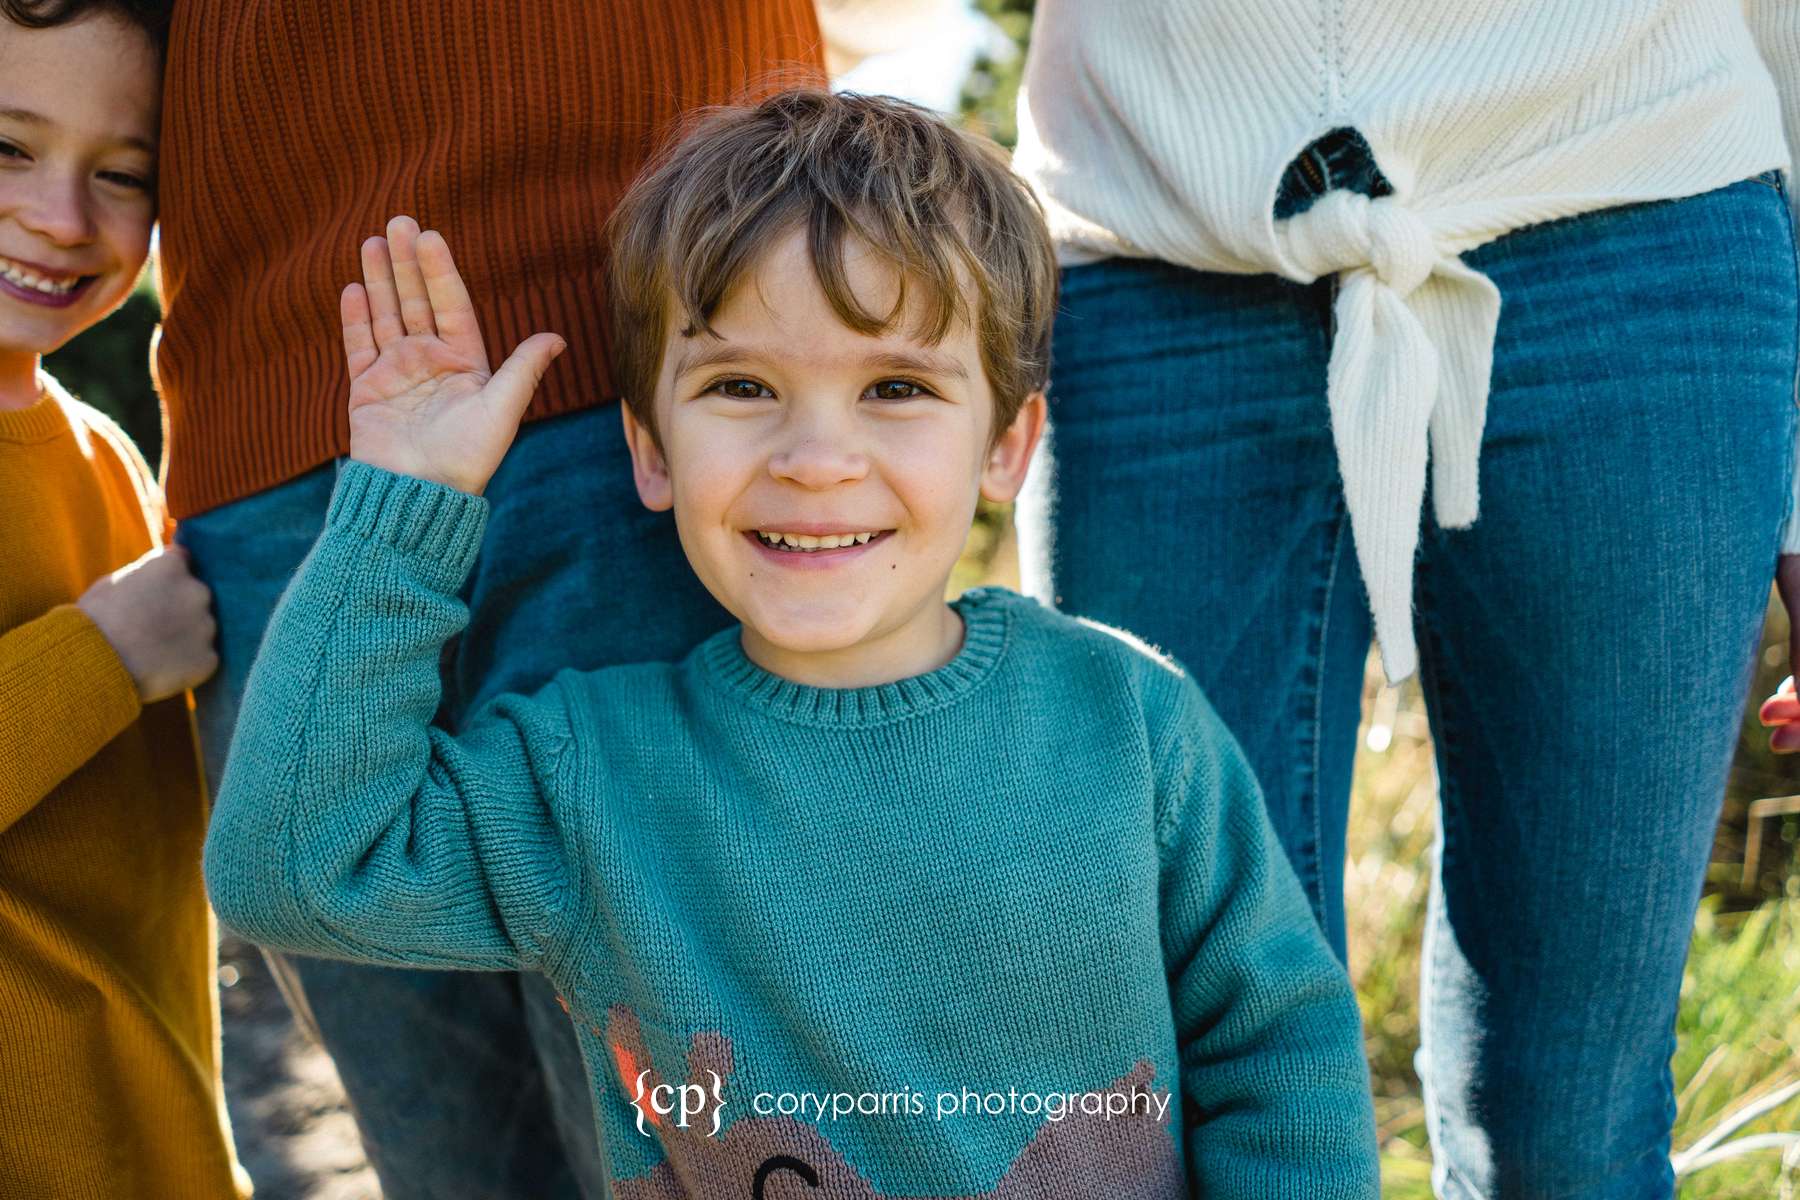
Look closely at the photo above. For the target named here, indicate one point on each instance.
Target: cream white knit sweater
(1161, 129)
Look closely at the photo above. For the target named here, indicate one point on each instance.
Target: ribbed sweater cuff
(436, 527)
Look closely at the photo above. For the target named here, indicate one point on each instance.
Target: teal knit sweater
(1018, 927)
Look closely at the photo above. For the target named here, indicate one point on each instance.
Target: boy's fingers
(451, 307)
(384, 303)
(415, 304)
(359, 337)
(518, 376)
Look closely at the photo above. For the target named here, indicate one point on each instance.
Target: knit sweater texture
(1162, 128)
(793, 924)
(109, 1080)
(293, 129)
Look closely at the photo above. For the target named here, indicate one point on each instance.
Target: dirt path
(294, 1132)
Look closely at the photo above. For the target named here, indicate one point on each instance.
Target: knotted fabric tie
(1410, 364)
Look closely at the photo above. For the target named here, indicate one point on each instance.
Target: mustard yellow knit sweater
(109, 1042)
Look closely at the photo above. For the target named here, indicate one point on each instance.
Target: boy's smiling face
(791, 426)
(78, 126)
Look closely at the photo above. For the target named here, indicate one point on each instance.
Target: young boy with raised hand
(875, 895)
(109, 1060)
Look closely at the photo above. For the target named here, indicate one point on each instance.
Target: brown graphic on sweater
(1080, 1156)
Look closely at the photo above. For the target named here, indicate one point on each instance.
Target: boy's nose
(59, 211)
(817, 462)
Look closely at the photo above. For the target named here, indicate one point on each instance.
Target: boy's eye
(740, 389)
(127, 180)
(124, 179)
(896, 389)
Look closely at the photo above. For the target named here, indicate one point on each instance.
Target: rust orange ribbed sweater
(293, 129)
(109, 1059)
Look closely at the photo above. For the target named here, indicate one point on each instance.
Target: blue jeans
(1586, 646)
(467, 1084)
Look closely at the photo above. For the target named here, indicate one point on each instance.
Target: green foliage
(1738, 1030)
(1738, 1041)
(109, 368)
(990, 102)
(1393, 819)
(991, 95)
(1756, 772)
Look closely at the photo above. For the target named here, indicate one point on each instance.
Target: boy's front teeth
(806, 541)
(27, 279)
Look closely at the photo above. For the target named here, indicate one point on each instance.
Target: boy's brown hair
(152, 16)
(939, 204)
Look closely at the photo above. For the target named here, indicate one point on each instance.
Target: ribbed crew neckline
(986, 623)
(40, 421)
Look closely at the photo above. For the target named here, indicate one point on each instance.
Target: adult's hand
(1782, 710)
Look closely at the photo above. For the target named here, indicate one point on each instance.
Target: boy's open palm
(422, 399)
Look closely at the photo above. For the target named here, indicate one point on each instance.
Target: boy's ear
(648, 467)
(1004, 472)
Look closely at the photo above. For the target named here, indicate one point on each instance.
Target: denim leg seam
(1336, 541)
(1780, 186)
(1781, 190)
(1443, 730)
(1432, 645)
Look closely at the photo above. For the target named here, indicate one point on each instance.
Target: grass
(1738, 1032)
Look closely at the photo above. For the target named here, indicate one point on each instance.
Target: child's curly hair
(152, 16)
(940, 204)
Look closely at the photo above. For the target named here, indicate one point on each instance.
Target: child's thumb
(519, 376)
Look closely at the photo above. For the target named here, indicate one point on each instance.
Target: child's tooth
(36, 282)
(808, 541)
